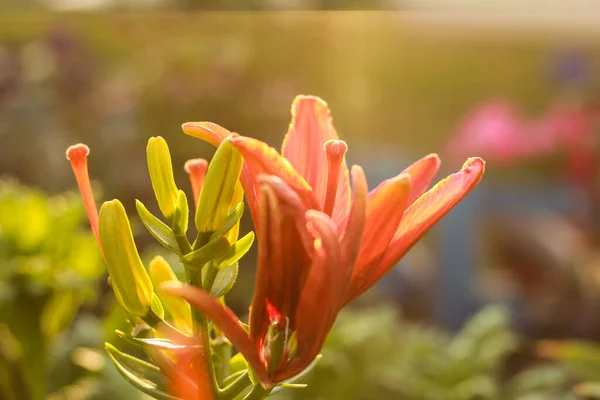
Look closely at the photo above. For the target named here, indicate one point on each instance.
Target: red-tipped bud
(335, 150)
(77, 155)
(196, 168)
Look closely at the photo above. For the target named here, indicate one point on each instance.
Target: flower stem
(201, 330)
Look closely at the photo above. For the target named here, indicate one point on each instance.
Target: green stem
(258, 393)
(235, 387)
(201, 322)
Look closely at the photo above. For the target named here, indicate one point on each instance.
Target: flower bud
(181, 216)
(181, 314)
(218, 188)
(129, 278)
(238, 197)
(161, 175)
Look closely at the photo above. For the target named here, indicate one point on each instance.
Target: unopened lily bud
(181, 216)
(161, 175)
(196, 169)
(77, 156)
(181, 314)
(129, 278)
(238, 196)
(218, 188)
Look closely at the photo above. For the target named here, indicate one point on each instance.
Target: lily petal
(322, 294)
(207, 131)
(282, 259)
(352, 233)
(385, 207)
(310, 128)
(226, 321)
(260, 158)
(423, 214)
(421, 174)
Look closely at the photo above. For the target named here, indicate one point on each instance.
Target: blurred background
(466, 315)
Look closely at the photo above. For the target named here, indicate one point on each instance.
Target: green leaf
(144, 376)
(237, 251)
(235, 214)
(182, 215)
(156, 343)
(215, 248)
(224, 281)
(159, 230)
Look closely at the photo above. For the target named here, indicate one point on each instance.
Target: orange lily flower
(312, 163)
(302, 278)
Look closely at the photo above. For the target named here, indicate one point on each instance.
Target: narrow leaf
(159, 230)
(235, 214)
(225, 279)
(237, 251)
(213, 249)
(141, 374)
(156, 343)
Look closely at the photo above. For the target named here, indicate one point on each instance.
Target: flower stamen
(77, 156)
(196, 168)
(335, 150)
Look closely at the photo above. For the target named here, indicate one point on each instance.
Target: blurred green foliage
(371, 355)
(50, 268)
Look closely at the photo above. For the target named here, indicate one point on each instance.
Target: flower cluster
(323, 240)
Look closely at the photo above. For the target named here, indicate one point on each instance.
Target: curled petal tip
(474, 164)
(77, 152)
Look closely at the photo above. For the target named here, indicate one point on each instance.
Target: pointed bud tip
(77, 152)
(195, 165)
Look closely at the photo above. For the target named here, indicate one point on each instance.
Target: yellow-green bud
(218, 188)
(181, 314)
(181, 216)
(161, 175)
(128, 277)
(238, 196)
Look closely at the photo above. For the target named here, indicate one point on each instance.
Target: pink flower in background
(492, 130)
(499, 133)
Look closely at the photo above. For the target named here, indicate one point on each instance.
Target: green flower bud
(218, 188)
(238, 197)
(128, 277)
(181, 216)
(161, 175)
(181, 314)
